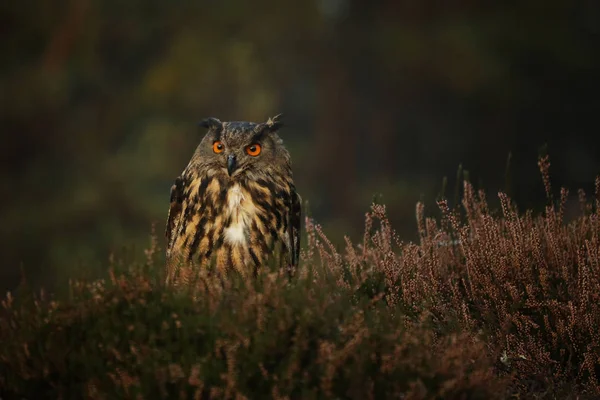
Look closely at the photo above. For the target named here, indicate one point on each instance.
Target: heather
(490, 302)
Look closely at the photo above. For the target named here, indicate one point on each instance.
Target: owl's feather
(294, 228)
(174, 208)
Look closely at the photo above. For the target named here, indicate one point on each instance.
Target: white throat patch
(235, 197)
(241, 216)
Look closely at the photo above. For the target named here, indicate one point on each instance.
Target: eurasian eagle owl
(235, 204)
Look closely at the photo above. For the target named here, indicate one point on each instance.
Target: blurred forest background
(99, 102)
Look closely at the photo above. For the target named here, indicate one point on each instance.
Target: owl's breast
(240, 212)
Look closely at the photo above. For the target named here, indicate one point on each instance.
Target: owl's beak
(231, 164)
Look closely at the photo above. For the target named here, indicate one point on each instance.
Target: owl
(235, 204)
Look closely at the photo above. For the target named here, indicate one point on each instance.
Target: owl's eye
(218, 147)
(253, 149)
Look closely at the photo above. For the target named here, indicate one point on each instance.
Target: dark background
(99, 102)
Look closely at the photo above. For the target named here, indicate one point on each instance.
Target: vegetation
(486, 305)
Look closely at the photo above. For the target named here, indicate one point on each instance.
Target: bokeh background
(99, 102)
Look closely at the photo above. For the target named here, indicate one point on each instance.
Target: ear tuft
(211, 123)
(271, 125)
(275, 122)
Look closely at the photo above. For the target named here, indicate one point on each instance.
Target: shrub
(485, 305)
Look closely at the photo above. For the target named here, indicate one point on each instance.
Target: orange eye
(253, 149)
(218, 147)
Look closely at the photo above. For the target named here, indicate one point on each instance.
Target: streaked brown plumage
(235, 204)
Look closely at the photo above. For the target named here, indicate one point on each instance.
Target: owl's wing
(174, 208)
(294, 226)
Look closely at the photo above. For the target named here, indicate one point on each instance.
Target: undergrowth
(486, 305)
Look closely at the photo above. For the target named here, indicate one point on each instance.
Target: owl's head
(242, 149)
